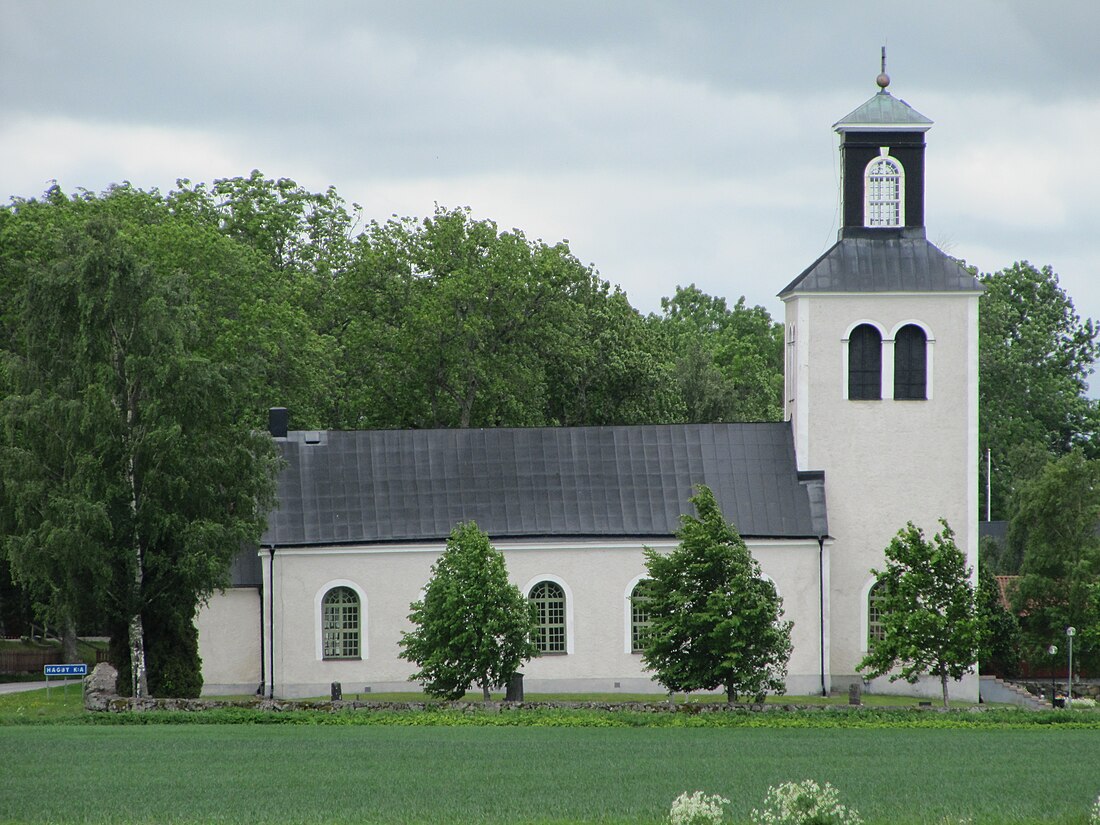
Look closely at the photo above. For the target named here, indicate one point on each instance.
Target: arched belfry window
(340, 624)
(865, 364)
(884, 189)
(910, 363)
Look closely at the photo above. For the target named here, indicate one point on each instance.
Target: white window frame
(884, 158)
(319, 619)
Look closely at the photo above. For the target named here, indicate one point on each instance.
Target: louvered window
(865, 364)
(911, 363)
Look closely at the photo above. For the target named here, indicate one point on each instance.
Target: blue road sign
(65, 670)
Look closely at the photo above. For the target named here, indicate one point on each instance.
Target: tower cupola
(882, 167)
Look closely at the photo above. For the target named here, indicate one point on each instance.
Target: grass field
(54, 769)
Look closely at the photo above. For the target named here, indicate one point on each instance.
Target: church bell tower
(881, 368)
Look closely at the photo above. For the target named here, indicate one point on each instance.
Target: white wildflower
(697, 809)
(804, 803)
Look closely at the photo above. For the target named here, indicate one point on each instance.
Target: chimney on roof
(277, 420)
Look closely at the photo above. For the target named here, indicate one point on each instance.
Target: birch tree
(121, 445)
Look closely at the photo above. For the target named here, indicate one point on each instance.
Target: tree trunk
(139, 679)
(731, 697)
(68, 638)
(485, 691)
(943, 683)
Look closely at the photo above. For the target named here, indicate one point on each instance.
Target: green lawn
(62, 773)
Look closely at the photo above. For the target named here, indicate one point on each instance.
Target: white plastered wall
(229, 641)
(886, 462)
(595, 576)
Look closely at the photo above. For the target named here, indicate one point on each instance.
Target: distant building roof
(415, 485)
(884, 264)
(883, 112)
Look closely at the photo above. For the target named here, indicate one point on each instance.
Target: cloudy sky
(670, 143)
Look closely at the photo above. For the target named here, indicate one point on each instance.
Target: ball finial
(883, 80)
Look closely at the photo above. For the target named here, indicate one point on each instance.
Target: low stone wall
(1089, 688)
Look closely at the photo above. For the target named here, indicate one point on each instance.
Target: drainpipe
(821, 603)
(271, 618)
(262, 689)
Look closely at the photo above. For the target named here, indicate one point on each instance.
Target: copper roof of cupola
(884, 112)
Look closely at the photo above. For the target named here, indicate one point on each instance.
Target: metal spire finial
(883, 80)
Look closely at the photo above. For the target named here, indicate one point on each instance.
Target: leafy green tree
(714, 619)
(1056, 522)
(928, 611)
(1000, 647)
(126, 477)
(728, 362)
(472, 626)
(1035, 358)
(612, 365)
(451, 322)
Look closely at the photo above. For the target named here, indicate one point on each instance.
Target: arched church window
(865, 363)
(549, 600)
(340, 623)
(875, 629)
(639, 616)
(884, 185)
(910, 363)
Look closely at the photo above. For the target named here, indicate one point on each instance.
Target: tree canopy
(1057, 524)
(714, 619)
(729, 362)
(130, 477)
(472, 626)
(1036, 354)
(927, 610)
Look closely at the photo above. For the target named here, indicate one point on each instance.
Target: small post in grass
(1053, 651)
(1070, 633)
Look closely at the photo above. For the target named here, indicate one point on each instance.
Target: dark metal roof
(416, 485)
(884, 262)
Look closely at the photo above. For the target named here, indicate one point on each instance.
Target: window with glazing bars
(639, 616)
(865, 363)
(910, 363)
(340, 623)
(875, 629)
(884, 193)
(549, 601)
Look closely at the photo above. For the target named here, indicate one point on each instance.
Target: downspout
(262, 689)
(271, 618)
(821, 603)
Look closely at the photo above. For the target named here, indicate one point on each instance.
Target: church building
(880, 428)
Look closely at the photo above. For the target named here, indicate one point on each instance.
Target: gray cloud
(670, 142)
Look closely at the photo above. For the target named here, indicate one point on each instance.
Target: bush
(804, 803)
(697, 809)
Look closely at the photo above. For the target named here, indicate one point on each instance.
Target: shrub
(804, 803)
(1094, 812)
(697, 809)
